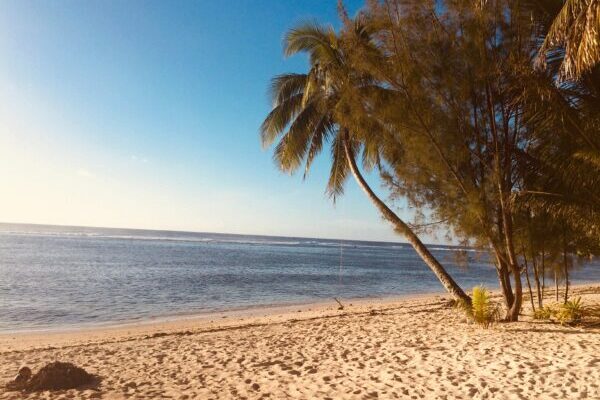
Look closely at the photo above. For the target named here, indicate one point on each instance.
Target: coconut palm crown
(304, 119)
(303, 106)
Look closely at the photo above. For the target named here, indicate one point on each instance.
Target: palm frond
(279, 118)
(323, 130)
(292, 148)
(339, 169)
(318, 41)
(577, 29)
(311, 87)
(285, 86)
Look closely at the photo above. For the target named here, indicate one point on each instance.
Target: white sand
(407, 349)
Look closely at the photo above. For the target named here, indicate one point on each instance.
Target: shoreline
(234, 312)
(244, 312)
(229, 312)
(417, 347)
(238, 318)
(234, 319)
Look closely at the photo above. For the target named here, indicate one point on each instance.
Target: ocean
(55, 277)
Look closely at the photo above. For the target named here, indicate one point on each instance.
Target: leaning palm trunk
(401, 227)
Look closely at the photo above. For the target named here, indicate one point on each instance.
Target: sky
(145, 114)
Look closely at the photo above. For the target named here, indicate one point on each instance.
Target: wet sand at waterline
(417, 348)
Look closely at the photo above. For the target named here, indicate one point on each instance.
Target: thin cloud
(84, 173)
(139, 159)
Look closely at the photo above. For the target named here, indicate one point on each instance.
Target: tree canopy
(485, 115)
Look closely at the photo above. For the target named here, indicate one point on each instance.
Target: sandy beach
(417, 348)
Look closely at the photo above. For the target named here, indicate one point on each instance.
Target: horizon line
(219, 233)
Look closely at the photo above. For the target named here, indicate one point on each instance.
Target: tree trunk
(543, 272)
(566, 267)
(504, 275)
(536, 273)
(556, 280)
(504, 278)
(566, 283)
(528, 283)
(401, 227)
(513, 312)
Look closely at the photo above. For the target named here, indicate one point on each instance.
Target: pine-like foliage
(444, 99)
(502, 152)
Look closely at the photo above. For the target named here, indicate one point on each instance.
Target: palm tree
(576, 28)
(303, 119)
(563, 108)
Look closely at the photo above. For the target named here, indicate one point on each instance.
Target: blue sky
(145, 114)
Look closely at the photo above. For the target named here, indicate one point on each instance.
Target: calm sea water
(56, 277)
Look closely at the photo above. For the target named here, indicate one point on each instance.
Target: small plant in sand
(545, 313)
(483, 311)
(569, 313)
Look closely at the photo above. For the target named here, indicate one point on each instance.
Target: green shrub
(545, 313)
(572, 312)
(482, 310)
